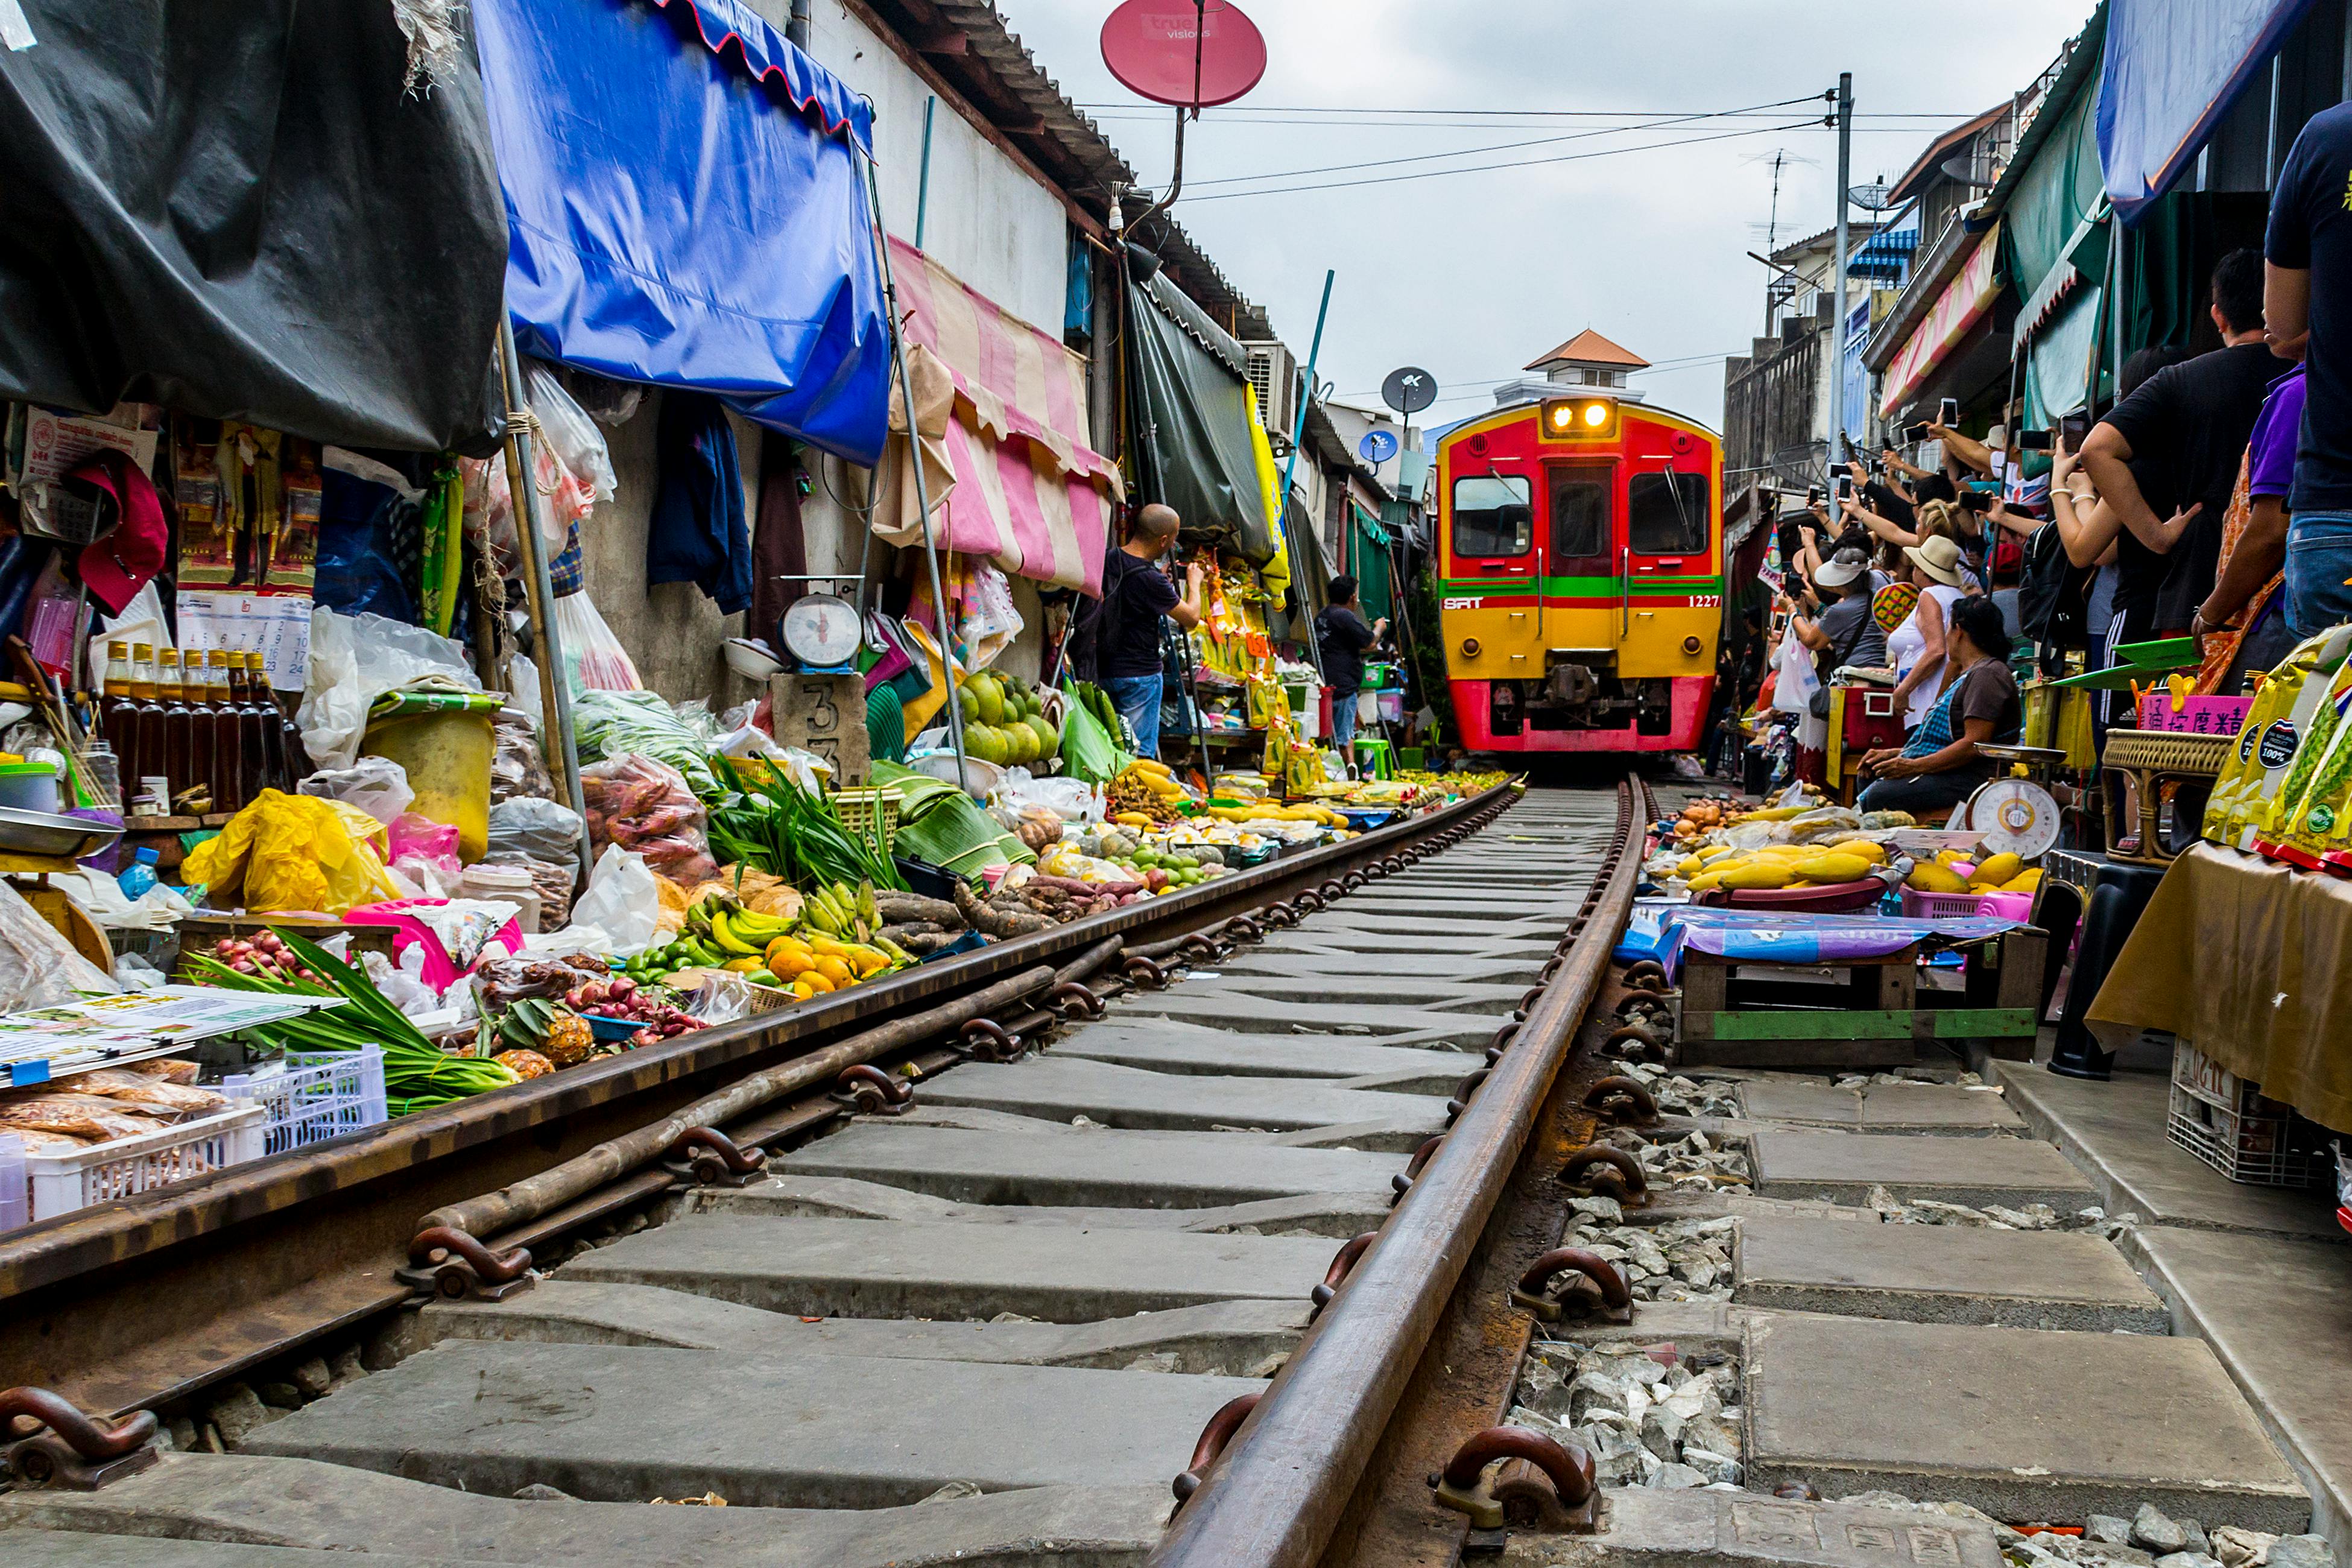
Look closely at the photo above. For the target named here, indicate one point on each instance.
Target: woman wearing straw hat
(1915, 648)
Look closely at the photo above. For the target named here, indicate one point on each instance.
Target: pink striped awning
(1008, 460)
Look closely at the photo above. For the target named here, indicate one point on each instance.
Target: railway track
(1364, 1238)
(991, 1323)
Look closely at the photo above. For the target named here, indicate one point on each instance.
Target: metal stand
(923, 490)
(538, 589)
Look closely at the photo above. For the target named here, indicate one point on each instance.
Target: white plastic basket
(62, 1184)
(2232, 1126)
(321, 1095)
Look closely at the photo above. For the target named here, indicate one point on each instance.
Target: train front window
(1666, 514)
(1494, 516)
(1579, 517)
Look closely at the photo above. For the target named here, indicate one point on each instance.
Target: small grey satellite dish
(1409, 389)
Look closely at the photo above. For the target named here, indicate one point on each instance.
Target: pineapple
(559, 1034)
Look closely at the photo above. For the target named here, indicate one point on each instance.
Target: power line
(1492, 381)
(1474, 152)
(1129, 106)
(1514, 163)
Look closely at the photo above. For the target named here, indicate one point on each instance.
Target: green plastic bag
(1088, 751)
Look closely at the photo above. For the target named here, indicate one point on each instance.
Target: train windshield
(1579, 516)
(1666, 514)
(1494, 515)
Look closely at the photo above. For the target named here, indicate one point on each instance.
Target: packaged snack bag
(2302, 680)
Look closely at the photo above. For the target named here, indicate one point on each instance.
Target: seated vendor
(1940, 767)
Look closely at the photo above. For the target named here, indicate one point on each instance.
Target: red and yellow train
(1580, 562)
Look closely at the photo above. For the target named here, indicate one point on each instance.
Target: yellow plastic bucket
(444, 740)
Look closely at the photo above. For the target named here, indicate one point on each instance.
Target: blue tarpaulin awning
(2171, 68)
(685, 208)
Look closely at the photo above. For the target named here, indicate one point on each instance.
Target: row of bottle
(213, 723)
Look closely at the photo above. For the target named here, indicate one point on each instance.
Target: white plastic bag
(377, 785)
(101, 897)
(577, 441)
(593, 658)
(39, 968)
(1072, 800)
(354, 659)
(622, 903)
(541, 829)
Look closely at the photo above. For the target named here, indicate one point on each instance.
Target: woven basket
(2166, 752)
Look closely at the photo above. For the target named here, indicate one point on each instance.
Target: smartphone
(2035, 440)
(1812, 495)
(1846, 487)
(1948, 413)
(2072, 429)
(1917, 431)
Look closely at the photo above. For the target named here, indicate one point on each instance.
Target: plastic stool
(1382, 764)
(2119, 893)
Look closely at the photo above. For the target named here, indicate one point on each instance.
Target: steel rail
(1277, 1496)
(146, 1299)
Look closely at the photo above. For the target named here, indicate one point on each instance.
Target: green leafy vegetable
(773, 823)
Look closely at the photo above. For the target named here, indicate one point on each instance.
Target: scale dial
(821, 631)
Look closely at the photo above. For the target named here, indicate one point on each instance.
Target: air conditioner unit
(1274, 372)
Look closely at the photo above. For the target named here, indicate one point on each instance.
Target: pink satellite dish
(1194, 53)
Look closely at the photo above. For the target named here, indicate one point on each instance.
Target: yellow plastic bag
(294, 852)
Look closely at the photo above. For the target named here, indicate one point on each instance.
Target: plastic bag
(354, 659)
(620, 912)
(293, 852)
(39, 968)
(377, 785)
(414, 837)
(517, 768)
(1089, 752)
(577, 442)
(1072, 800)
(593, 658)
(644, 805)
(101, 897)
(609, 724)
(541, 828)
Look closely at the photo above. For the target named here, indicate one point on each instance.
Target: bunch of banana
(736, 930)
(841, 911)
(1781, 864)
(1307, 811)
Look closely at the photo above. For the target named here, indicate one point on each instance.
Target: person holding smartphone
(1137, 595)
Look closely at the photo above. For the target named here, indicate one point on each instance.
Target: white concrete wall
(987, 221)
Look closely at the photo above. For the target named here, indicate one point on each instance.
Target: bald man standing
(1136, 595)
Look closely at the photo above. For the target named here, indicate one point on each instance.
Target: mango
(1932, 879)
(1762, 873)
(1705, 880)
(1996, 870)
(2023, 882)
(1832, 867)
(1874, 854)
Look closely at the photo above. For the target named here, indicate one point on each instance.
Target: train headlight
(1580, 418)
(1469, 647)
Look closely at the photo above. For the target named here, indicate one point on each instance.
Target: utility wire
(1130, 107)
(1514, 163)
(1475, 152)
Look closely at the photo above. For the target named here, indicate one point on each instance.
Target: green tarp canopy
(1371, 559)
(1189, 402)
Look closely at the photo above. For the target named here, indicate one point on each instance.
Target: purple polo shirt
(2270, 470)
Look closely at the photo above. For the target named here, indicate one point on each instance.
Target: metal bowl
(41, 833)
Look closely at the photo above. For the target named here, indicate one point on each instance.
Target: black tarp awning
(240, 211)
(1189, 402)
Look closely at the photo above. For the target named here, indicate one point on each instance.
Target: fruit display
(1952, 872)
(815, 965)
(1148, 790)
(1465, 784)
(1005, 722)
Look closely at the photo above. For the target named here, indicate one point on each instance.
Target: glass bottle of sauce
(294, 757)
(150, 720)
(253, 769)
(177, 724)
(220, 720)
(119, 710)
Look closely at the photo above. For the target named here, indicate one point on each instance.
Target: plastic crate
(321, 1095)
(1919, 906)
(856, 808)
(60, 1184)
(2233, 1127)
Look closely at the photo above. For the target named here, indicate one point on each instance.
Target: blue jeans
(1137, 697)
(1343, 724)
(2318, 560)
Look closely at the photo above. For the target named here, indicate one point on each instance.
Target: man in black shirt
(2172, 449)
(1341, 638)
(2309, 292)
(1136, 595)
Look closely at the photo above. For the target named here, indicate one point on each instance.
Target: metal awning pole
(914, 461)
(539, 588)
(1290, 464)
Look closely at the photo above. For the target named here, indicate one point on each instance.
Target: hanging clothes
(700, 533)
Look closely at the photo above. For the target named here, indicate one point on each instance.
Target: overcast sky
(1473, 275)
